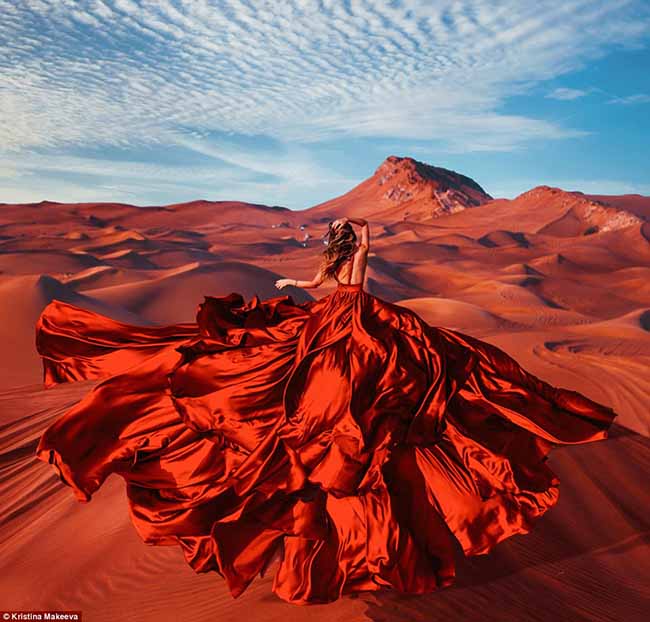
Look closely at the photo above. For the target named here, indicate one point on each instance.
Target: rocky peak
(595, 214)
(405, 179)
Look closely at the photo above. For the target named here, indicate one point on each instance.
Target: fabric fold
(345, 434)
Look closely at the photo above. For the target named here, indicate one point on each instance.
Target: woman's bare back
(353, 270)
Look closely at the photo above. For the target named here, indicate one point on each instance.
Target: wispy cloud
(292, 180)
(566, 94)
(640, 98)
(125, 71)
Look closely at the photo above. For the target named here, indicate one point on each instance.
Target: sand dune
(22, 298)
(615, 370)
(454, 240)
(174, 297)
(204, 215)
(31, 262)
(115, 235)
(554, 263)
(128, 258)
(560, 280)
(457, 315)
(109, 275)
(503, 238)
(522, 268)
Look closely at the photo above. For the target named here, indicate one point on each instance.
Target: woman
(344, 436)
(341, 250)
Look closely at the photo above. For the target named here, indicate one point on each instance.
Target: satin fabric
(345, 435)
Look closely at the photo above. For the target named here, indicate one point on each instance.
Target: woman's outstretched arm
(315, 282)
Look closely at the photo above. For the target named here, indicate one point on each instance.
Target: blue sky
(295, 102)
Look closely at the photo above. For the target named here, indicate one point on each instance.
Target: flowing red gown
(345, 434)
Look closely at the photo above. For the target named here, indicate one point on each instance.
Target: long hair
(340, 247)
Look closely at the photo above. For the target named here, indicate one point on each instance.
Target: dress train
(345, 435)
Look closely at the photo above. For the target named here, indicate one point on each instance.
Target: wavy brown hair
(340, 247)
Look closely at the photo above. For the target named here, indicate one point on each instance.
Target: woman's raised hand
(339, 222)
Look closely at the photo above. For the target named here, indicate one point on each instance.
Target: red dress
(345, 433)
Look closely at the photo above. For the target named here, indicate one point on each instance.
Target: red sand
(559, 280)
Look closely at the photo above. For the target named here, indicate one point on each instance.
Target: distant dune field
(560, 280)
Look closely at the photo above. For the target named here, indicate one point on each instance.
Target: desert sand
(560, 280)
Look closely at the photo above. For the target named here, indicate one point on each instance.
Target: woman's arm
(315, 282)
(364, 243)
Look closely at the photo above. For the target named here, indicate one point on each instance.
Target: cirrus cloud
(122, 71)
(566, 94)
